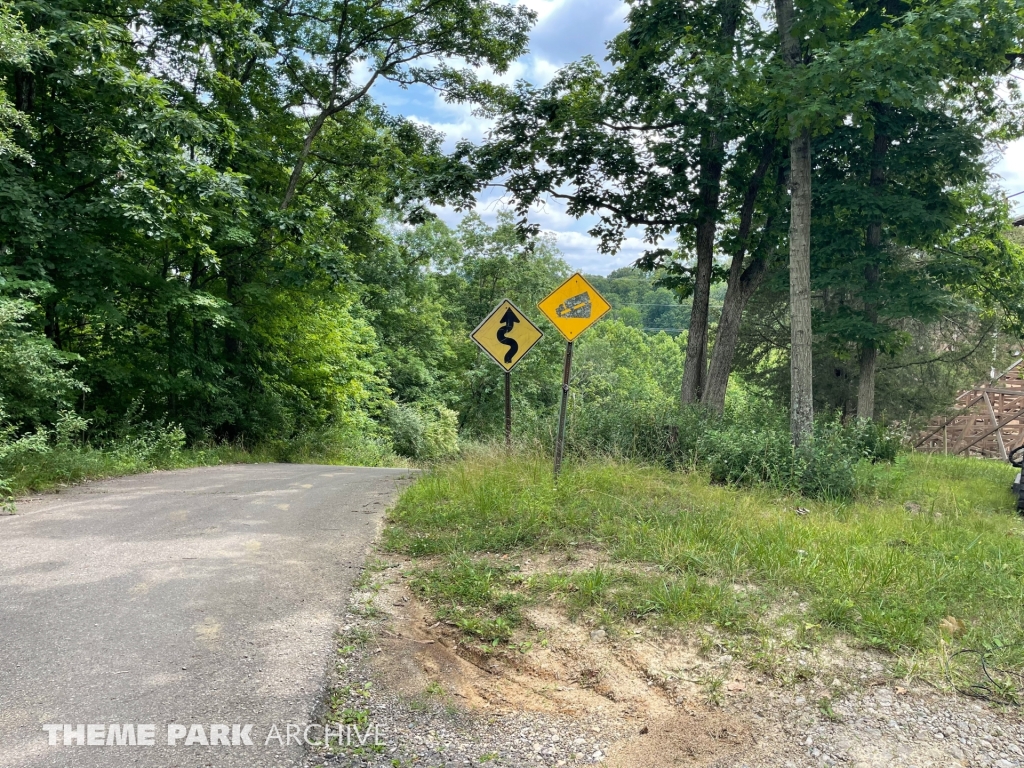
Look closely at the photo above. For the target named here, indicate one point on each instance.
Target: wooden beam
(949, 421)
(998, 391)
(969, 428)
(999, 432)
(998, 426)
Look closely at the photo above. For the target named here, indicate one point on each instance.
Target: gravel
(912, 729)
(435, 731)
(870, 726)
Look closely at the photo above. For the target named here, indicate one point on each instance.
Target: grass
(927, 560)
(476, 597)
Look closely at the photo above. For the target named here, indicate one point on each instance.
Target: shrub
(749, 445)
(441, 437)
(60, 455)
(154, 445)
(876, 442)
(407, 429)
(422, 433)
(737, 454)
(825, 466)
(353, 444)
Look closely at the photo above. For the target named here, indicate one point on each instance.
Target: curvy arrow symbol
(510, 318)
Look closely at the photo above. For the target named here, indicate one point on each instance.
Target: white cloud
(580, 251)
(578, 248)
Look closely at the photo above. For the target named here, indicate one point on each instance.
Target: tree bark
(872, 274)
(728, 334)
(711, 165)
(695, 372)
(801, 337)
(866, 385)
(801, 334)
(300, 162)
(741, 286)
(24, 91)
(52, 327)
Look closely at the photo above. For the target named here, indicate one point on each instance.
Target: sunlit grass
(927, 538)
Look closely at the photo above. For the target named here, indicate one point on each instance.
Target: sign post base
(560, 440)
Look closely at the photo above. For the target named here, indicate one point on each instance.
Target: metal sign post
(506, 335)
(560, 439)
(572, 307)
(508, 410)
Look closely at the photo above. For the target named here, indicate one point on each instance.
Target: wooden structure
(988, 422)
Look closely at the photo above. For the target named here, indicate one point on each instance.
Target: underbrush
(64, 455)
(50, 458)
(926, 562)
(749, 445)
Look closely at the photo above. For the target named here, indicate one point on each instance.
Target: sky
(567, 30)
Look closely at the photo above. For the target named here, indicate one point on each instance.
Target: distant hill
(638, 301)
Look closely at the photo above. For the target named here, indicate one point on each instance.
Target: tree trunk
(52, 327)
(801, 378)
(866, 385)
(741, 286)
(872, 274)
(24, 91)
(726, 339)
(711, 164)
(300, 162)
(801, 334)
(695, 371)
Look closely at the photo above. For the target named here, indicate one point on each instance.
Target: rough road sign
(506, 335)
(574, 306)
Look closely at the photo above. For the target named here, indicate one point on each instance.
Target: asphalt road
(202, 597)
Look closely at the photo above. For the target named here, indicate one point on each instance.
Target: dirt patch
(690, 739)
(650, 686)
(562, 694)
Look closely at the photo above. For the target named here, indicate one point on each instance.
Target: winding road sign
(574, 306)
(506, 335)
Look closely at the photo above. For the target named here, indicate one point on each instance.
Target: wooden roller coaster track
(988, 421)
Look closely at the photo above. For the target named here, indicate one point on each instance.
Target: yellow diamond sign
(506, 335)
(574, 306)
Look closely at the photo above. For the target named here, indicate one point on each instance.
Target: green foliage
(918, 380)
(682, 134)
(35, 382)
(59, 455)
(624, 403)
(346, 446)
(757, 449)
(868, 290)
(460, 276)
(18, 46)
(203, 252)
(640, 300)
(625, 391)
(442, 434)
(475, 596)
(208, 222)
(422, 433)
(62, 456)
